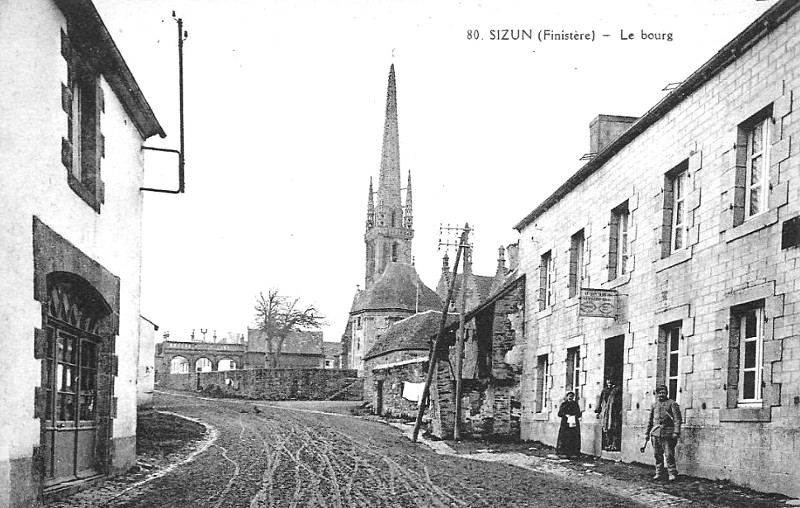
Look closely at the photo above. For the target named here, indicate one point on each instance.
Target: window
(674, 234)
(618, 242)
(394, 251)
(546, 281)
(576, 263)
(757, 171)
(672, 335)
(751, 193)
(751, 343)
(574, 370)
(82, 149)
(543, 373)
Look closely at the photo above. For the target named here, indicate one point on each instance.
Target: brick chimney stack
(605, 129)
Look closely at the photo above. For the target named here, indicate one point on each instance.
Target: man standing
(609, 412)
(664, 427)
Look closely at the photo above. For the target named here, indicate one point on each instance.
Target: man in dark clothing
(664, 427)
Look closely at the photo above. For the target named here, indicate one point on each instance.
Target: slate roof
(399, 287)
(91, 34)
(412, 333)
(483, 283)
(332, 349)
(726, 56)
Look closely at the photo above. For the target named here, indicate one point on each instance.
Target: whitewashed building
(72, 124)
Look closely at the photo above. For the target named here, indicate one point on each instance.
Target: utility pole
(432, 358)
(465, 246)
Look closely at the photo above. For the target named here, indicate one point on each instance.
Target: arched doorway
(71, 426)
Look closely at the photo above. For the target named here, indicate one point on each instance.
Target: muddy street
(265, 455)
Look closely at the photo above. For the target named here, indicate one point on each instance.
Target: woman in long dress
(569, 433)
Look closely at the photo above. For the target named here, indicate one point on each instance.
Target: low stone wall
(272, 384)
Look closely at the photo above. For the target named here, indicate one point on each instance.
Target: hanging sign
(598, 303)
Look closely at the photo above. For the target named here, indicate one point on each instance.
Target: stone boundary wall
(272, 384)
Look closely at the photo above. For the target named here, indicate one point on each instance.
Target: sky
(284, 109)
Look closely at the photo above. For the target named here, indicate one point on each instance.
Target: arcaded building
(671, 258)
(73, 124)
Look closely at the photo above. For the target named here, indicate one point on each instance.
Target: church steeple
(389, 223)
(389, 179)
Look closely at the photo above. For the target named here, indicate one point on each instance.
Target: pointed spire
(501, 262)
(409, 216)
(389, 179)
(370, 207)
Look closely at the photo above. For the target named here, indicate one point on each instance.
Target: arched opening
(203, 365)
(226, 364)
(77, 364)
(179, 365)
(395, 249)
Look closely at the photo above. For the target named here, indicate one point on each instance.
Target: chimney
(512, 251)
(605, 129)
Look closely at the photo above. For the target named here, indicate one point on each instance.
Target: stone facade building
(392, 290)
(73, 124)
(492, 360)
(300, 350)
(688, 220)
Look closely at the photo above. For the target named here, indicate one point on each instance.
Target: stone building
(301, 350)
(671, 257)
(333, 355)
(73, 124)
(492, 360)
(397, 364)
(392, 289)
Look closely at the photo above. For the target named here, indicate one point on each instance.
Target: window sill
(752, 225)
(619, 281)
(84, 193)
(674, 259)
(545, 312)
(541, 416)
(745, 414)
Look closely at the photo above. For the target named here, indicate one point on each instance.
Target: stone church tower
(389, 223)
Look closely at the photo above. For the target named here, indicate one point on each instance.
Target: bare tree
(278, 316)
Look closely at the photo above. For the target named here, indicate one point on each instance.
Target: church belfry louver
(389, 228)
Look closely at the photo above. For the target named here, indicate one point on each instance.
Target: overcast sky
(285, 105)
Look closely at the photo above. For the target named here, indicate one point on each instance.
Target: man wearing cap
(664, 427)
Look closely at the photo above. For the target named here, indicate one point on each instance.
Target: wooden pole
(461, 333)
(434, 349)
